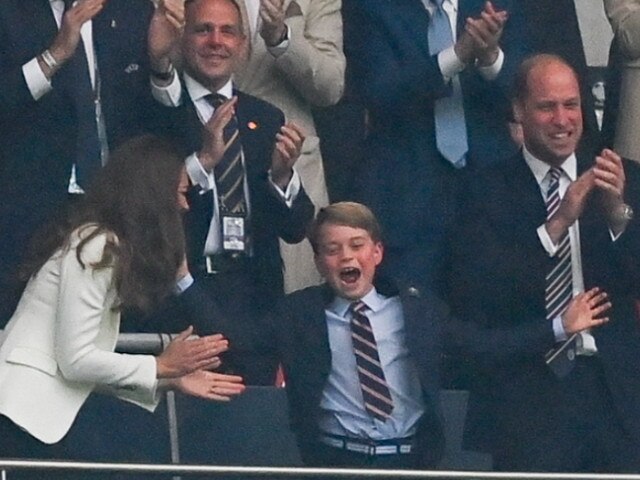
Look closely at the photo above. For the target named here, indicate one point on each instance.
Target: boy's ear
(379, 253)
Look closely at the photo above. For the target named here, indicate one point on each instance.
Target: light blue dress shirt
(341, 405)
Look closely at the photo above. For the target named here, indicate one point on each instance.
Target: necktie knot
(358, 308)
(555, 174)
(215, 99)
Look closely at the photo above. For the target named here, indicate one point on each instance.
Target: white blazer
(59, 345)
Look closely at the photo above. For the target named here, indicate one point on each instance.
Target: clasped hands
(480, 39)
(607, 177)
(187, 363)
(285, 153)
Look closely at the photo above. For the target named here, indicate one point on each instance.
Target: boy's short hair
(349, 214)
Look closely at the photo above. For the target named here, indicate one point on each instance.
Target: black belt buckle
(224, 262)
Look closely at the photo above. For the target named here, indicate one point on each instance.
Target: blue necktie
(451, 131)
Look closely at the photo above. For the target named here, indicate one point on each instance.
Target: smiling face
(212, 42)
(347, 258)
(550, 112)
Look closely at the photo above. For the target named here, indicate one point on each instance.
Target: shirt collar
(197, 91)
(448, 5)
(373, 300)
(540, 169)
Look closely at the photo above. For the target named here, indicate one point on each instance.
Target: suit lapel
(527, 202)
(415, 19)
(249, 128)
(315, 328)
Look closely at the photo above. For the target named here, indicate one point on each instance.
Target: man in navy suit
(61, 70)
(576, 409)
(405, 177)
(234, 266)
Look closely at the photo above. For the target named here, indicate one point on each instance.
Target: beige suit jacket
(309, 73)
(624, 16)
(59, 346)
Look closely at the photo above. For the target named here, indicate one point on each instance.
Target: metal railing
(266, 472)
(154, 343)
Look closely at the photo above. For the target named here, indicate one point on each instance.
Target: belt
(401, 446)
(224, 262)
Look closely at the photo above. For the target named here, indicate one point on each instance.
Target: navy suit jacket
(405, 180)
(38, 138)
(498, 281)
(211, 308)
(270, 217)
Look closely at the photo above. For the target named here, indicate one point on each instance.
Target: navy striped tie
(375, 391)
(559, 281)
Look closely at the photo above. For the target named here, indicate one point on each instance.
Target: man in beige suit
(624, 16)
(295, 61)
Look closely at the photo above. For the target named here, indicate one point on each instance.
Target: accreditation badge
(233, 233)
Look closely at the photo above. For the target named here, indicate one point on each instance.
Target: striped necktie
(229, 172)
(559, 281)
(375, 391)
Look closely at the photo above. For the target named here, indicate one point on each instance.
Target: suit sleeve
(85, 295)
(289, 222)
(314, 62)
(389, 71)
(14, 92)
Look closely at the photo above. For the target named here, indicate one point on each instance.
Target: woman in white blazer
(121, 248)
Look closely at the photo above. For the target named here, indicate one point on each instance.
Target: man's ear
(518, 111)
(319, 266)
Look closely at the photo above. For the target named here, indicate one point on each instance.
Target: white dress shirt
(569, 174)
(450, 64)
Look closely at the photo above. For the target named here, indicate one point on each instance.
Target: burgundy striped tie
(375, 391)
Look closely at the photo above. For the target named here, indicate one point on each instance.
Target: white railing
(267, 472)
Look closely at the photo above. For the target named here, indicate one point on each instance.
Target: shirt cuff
(490, 72)
(197, 174)
(37, 81)
(546, 241)
(279, 49)
(184, 283)
(558, 330)
(168, 95)
(292, 190)
(450, 64)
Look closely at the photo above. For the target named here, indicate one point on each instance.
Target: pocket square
(132, 67)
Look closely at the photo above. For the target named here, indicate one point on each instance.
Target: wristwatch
(624, 213)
